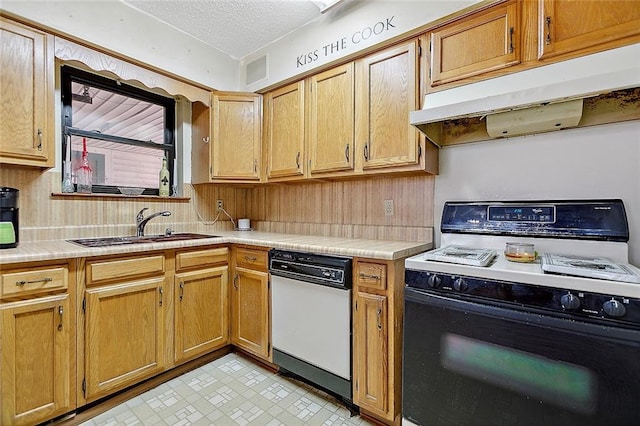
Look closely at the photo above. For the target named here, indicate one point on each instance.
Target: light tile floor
(231, 390)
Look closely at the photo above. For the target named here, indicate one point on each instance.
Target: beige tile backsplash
(351, 208)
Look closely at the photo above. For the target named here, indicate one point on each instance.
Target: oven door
(467, 363)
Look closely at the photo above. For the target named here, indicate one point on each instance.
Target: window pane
(100, 110)
(116, 164)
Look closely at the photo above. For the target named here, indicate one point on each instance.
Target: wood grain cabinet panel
(38, 360)
(26, 89)
(250, 314)
(378, 300)
(236, 142)
(34, 280)
(284, 126)
(201, 312)
(573, 26)
(487, 41)
(332, 120)
(201, 258)
(124, 335)
(370, 352)
(227, 139)
(386, 91)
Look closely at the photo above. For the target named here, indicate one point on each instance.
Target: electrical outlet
(388, 207)
(220, 206)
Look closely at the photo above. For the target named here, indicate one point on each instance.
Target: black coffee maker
(9, 217)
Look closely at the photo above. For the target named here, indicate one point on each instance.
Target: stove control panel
(576, 304)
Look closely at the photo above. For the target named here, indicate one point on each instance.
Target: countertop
(31, 251)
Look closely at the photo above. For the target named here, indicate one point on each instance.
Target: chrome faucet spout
(141, 221)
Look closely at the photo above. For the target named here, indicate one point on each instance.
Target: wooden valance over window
(136, 75)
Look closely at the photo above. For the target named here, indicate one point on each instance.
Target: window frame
(70, 74)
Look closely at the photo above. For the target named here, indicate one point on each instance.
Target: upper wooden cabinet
(227, 139)
(386, 91)
(26, 89)
(332, 120)
(284, 130)
(572, 26)
(356, 121)
(487, 41)
(516, 35)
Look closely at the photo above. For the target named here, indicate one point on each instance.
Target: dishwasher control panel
(334, 271)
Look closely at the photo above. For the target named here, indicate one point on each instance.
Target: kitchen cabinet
(484, 42)
(27, 89)
(284, 128)
(569, 26)
(201, 307)
(38, 323)
(356, 122)
(227, 139)
(386, 91)
(332, 120)
(123, 303)
(250, 314)
(512, 36)
(377, 338)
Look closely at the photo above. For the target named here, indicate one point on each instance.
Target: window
(127, 132)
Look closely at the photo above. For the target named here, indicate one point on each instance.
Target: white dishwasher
(311, 318)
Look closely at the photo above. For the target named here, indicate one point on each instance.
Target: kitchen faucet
(141, 221)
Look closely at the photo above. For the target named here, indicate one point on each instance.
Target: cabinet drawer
(124, 268)
(34, 281)
(201, 258)
(371, 275)
(251, 258)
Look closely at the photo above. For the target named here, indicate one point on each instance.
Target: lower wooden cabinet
(124, 334)
(250, 315)
(201, 312)
(372, 366)
(38, 359)
(377, 338)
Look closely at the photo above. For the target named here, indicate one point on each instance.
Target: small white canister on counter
(244, 225)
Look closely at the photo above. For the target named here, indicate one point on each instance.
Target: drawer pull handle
(60, 311)
(42, 280)
(181, 291)
(235, 281)
(161, 294)
(250, 258)
(298, 160)
(366, 152)
(346, 153)
(367, 276)
(378, 317)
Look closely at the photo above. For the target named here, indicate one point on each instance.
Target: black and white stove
(553, 340)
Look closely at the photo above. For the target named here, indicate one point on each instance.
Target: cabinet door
(201, 313)
(386, 91)
(250, 311)
(123, 335)
(285, 131)
(26, 89)
(370, 353)
(568, 26)
(236, 144)
(332, 120)
(37, 360)
(477, 45)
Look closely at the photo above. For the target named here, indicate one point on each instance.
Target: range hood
(532, 101)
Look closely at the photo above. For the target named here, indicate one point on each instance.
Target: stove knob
(613, 308)
(570, 301)
(460, 284)
(434, 281)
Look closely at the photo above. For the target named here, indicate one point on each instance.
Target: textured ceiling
(235, 27)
